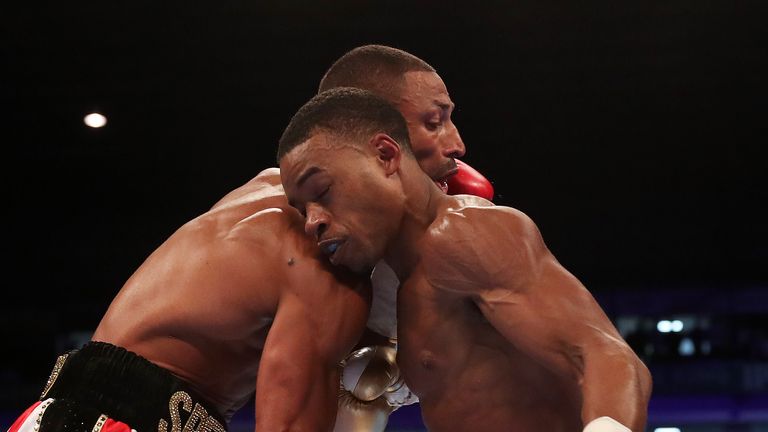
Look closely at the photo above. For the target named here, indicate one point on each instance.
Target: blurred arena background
(632, 132)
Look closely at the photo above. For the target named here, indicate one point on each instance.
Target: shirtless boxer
(372, 387)
(238, 292)
(493, 333)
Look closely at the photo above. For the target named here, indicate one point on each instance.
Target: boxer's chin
(442, 184)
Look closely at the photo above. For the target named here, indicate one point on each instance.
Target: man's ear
(388, 152)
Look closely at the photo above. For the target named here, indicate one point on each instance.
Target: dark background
(631, 132)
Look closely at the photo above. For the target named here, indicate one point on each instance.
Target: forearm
(296, 397)
(616, 384)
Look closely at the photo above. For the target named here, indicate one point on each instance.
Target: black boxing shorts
(105, 388)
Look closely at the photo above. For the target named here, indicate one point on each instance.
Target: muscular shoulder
(295, 257)
(264, 189)
(241, 242)
(472, 248)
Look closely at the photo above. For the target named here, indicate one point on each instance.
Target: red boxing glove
(469, 182)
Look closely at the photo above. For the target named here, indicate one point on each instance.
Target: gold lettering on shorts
(199, 414)
(212, 425)
(198, 421)
(173, 407)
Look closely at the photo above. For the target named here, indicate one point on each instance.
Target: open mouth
(330, 248)
(443, 182)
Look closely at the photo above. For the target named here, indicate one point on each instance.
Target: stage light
(95, 120)
(677, 326)
(686, 347)
(664, 326)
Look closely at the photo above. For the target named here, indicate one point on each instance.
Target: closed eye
(321, 197)
(432, 126)
(323, 194)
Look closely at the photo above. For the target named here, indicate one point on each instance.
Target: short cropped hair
(376, 68)
(346, 112)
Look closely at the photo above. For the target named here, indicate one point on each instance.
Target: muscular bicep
(521, 289)
(556, 320)
(551, 317)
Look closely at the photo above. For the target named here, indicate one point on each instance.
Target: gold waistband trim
(54, 374)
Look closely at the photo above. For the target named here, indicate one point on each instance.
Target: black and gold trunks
(111, 381)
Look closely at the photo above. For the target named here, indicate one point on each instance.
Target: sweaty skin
(242, 293)
(493, 333)
(423, 100)
(496, 335)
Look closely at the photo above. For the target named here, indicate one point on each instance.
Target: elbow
(617, 384)
(639, 379)
(639, 373)
(643, 386)
(636, 371)
(644, 379)
(615, 362)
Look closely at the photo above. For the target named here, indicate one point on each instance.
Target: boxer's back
(201, 305)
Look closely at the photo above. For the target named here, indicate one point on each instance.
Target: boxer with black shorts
(236, 299)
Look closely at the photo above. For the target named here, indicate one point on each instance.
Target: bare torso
(202, 304)
(467, 375)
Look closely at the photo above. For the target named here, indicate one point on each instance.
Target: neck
(423, 199)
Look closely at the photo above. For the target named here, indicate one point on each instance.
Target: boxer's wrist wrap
(605, 424)
(398, 394)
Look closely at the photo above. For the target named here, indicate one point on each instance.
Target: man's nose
(316, 222)
(453, 146)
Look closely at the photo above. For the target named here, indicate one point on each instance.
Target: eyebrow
(306, 175)
(445, 106)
